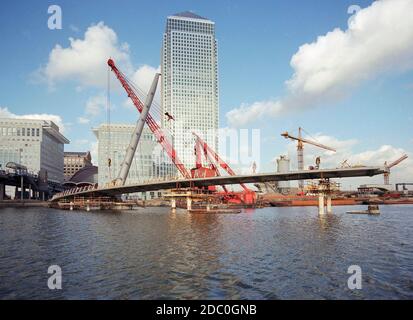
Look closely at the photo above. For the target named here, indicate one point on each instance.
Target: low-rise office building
(74, 161)
(36, 144)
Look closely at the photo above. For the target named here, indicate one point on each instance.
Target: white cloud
(85, 60)
(249, 113)
(379, 40)
(82, 120)
(95, 105)
(346, 151)
(5, 113)
(143, 78)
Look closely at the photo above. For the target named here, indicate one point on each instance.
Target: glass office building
(150, 163)
(190, 82)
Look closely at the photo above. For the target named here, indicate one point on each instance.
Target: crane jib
(153, 126)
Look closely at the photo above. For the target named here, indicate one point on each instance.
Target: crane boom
(303, 140)
(395, 163)
(202, 145)
(300, 150)
(152, 124)
(386, 175)
(136, 135)
(218, 159)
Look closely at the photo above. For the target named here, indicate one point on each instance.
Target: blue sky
(256, 41)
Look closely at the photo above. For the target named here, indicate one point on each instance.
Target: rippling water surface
(151, 253)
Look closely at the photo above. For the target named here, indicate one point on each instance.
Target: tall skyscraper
(190, 82)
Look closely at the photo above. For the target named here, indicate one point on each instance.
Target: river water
(151, 253)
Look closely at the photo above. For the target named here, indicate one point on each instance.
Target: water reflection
(155, 253)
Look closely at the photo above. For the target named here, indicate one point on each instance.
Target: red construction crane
(201, 172)
(217, 159)
(389, 166)
(152, 124)
(247, 196)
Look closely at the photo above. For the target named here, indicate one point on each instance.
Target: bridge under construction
(200, 182)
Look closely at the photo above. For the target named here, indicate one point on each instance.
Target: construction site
(197, 192)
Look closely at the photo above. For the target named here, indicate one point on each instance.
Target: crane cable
(156, 110)
(314, 139)
(109, 150)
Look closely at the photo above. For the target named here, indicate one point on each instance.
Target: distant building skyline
(281, 66)
(189, 90)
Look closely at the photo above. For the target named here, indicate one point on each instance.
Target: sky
(282, 64)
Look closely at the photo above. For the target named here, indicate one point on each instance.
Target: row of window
(189, 26)
(24, 132)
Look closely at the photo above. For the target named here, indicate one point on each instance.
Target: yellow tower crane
(389, 166)
(300, 149)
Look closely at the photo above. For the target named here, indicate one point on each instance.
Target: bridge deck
(227, 180)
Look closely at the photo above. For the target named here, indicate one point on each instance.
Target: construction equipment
(247, 196)
(345, 164)
(300, 149)
(152, 124)
(136, 135)
(391, 165)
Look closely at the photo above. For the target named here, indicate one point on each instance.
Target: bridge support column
(71, 206)
(320, 203)
(329, 203)
(173, 203)
(87, 206)
(188, 203)
(21, 189)
(2, 191)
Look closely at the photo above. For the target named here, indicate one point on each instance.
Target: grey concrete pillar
(188, 203)
(320, 203)
(329, 210)
(21, 189)
(2, 191)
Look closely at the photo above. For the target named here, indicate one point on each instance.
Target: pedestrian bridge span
(220, 180)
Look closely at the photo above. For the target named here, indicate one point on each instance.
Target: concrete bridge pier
(188, 203)
(321, 203)
(2, 191)
(325, 190)
(173, 204)
(329, 210)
